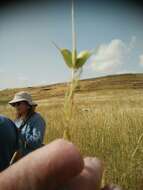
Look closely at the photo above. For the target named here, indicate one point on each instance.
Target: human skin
(56, 166)
(46, 168)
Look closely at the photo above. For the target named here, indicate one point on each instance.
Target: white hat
(22, 96)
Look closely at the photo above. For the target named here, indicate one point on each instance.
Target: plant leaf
(67, 56)
(82, 58)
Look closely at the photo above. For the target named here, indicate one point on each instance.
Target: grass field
(107, 123)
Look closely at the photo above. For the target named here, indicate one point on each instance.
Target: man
(8, 141)
(30, 124)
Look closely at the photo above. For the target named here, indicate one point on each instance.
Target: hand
(55, 166)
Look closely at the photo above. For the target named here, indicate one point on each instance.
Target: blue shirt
(8, 141)
(32, 134)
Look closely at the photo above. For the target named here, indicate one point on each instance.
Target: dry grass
(107, 124)
(111, 131)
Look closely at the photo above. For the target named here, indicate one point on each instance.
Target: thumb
(90, 177)
(46, 168)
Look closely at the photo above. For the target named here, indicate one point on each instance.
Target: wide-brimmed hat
(22, 96)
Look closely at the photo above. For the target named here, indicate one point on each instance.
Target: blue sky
(28, 57)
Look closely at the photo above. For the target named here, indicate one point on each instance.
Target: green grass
(111, 129)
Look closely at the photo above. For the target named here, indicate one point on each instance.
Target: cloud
(125, 71)
(10, 80)
(132, 43)
(110, 57)
(141, 60)
(22, 78)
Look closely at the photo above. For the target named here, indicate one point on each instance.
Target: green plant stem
(73, 36)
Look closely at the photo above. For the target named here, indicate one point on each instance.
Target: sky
(28, 57)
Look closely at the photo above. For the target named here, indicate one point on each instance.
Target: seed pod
(82, 58)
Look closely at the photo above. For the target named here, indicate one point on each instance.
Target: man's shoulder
(37, 117)
(6, 120)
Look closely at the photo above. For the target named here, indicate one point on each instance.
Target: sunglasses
(18, 103)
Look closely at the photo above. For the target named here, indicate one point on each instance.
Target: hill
(107, 122)
(100, 84)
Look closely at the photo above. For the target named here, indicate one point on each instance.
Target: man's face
(21, 107)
